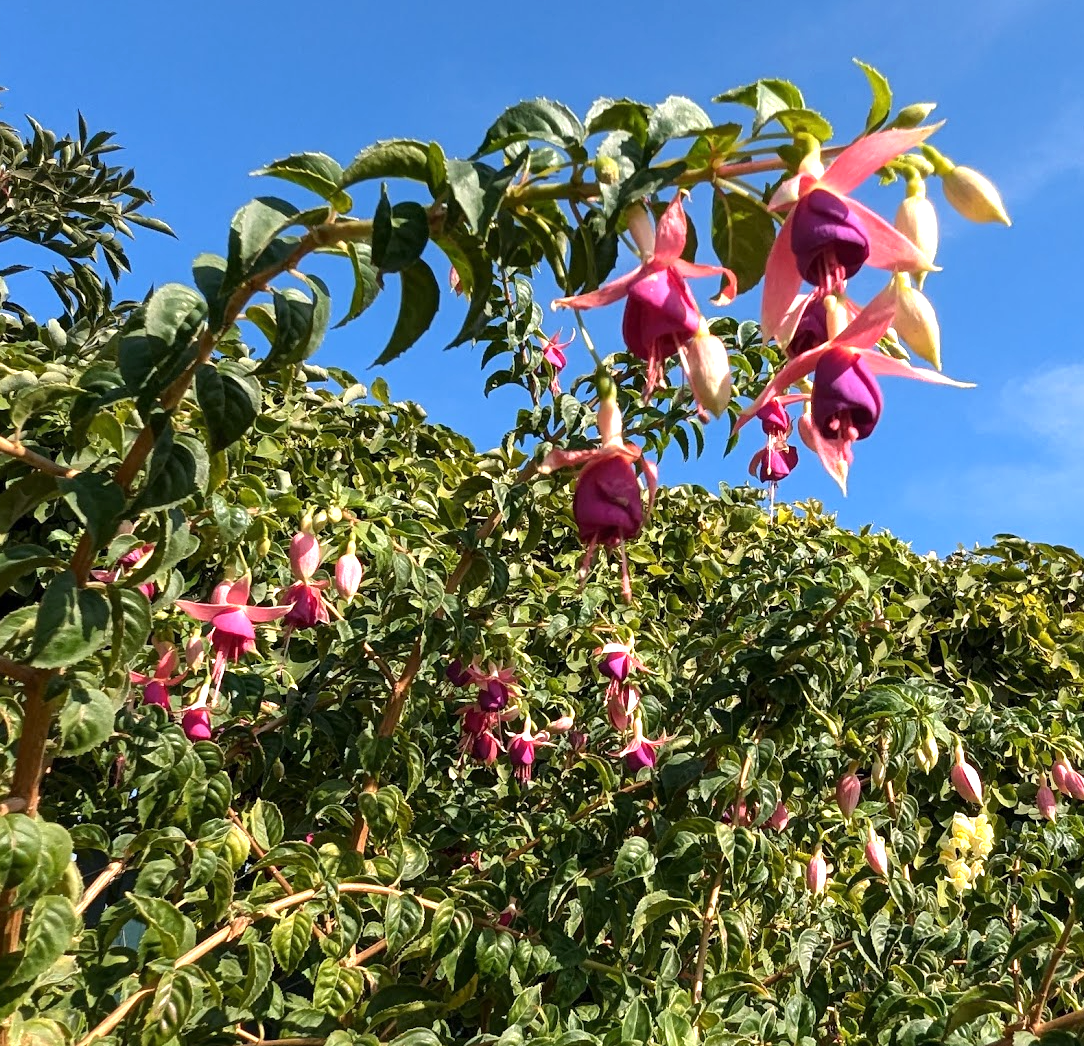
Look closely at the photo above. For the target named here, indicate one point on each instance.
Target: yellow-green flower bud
(916, 321)
(607, 170)
(973, 195)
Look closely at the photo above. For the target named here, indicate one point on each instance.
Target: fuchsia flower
(521, 748)
(308, 608)
(848, 793)
(607, 505)
(828, 235)
(456, 674)
(231, 618)
(305, 555)
(780, 817)
(1045, 801)
(618, 661)
(495, 686)
(553, 352)
(640, 751)
(965, 778)
(196, 723)
(876, 855)
(661, 316)
(129, 561)
(485, 747)
(349, 572)
(156, 685)
(777, 458)
(846, 402)
(1067, 780)
(816, 873)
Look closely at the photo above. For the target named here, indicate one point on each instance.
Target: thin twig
(104, 878)
(14, 449)
(1038, 1004)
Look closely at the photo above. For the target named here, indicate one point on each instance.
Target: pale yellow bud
(973, 195)
(335, 514)
(917, 220)
(916, 322)
(610, 423)
(708, 371)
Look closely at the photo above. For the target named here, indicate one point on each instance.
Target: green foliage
(332, 866)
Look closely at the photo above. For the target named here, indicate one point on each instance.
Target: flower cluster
(968, 845)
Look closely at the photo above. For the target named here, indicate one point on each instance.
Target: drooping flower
(607, 505)
(965, 778)
(308, 608)
(129, 561)
(521, 748)
(640, 751)
(846, 402)
(661, 315)
(348, 572)
(617, 660)
(780, 817)
(196, 724)
(485, 747)
(495, 686)
(231, 618)
(828, 234)
(156, 685)
(553, 352)
(1067, 780)
(777, 458)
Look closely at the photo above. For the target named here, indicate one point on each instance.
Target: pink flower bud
(1045, 801)
(194, 651)
(816, 873)
(876, 856)
(348, 573)
(196, 724)
(577, 740)
(620, 705)
(562, 725)
(965, 779)
(780, 817)
(708, 370)
(305, 555)
(740, 814)
(848, 793)
(1067, 780)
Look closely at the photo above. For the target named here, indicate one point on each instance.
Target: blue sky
(200, 94)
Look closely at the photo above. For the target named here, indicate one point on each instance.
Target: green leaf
(418, 307)
(538, 120)
(475, 271)
(178, 469)
(403, 921)
(337, 989)
(654, 906)
(174, 996)
(253, 229)
(131, 613)
(19, 560)
(174, 314)
(622, 114)
(881, 105)
(317, 172)
(86, 720)
(97, 500)
(676, 117)
(258, 970)
(479, 189)
(72, 623)
(767, 97)
(397, 158)
(400, 233)
(366, 281)
(494, 953)
(742, 233)
(265, 823)
(443, 915)
(230, 400)
(49, 933)
(634, 860)
(300, 324)
(636, 1024)
(173, 932)
(290, 939)
(20, 848)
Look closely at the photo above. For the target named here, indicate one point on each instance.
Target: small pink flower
(553, 352)
(196, 723)
(348, 572)
(194, 652)
(816, 873)
(156, 685)
(1045, 801)
(231, 618)
(640, 751)
(485, 748)
(307, 606)
(848, 793)
(876, 855)
(129, 561)
(965, 778)
(521, 748)
(305, 555)
(1067, 780)
(661, 315)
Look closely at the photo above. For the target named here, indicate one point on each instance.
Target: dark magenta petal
(154, 693)
(196, 724)
(616, 665)
(845, 395)
(474, 720)
(308, 607)
(640, 757)
(520, 751)
(607, 503)
(456, 674)
(826, 234)
(777, 465)
(485, 748)
(811, 331)
(660, 315)
(773, 417)
(493, 696)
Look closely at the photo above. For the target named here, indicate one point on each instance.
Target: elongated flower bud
(1067, 780)
(194, 651)
(708, 370)
(877, 777)
(561, 725)
(780, 817)
(305, 555)
(816, 873)
(973, 195)
(848, 793)
(876, 855)
(917, 220)
(928, 753)
(965, 779)
(196, 724)
(916, 321)
(348, 573)
(1045, 801)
